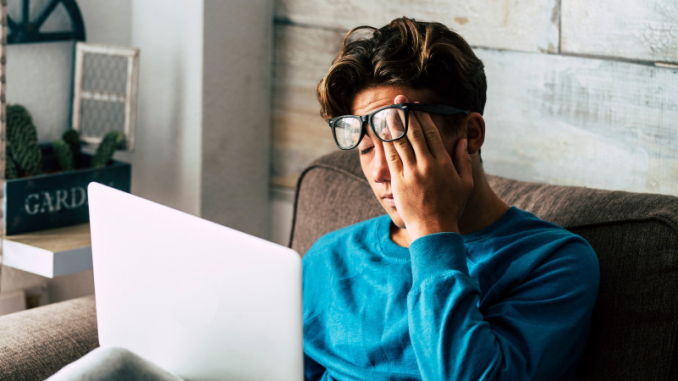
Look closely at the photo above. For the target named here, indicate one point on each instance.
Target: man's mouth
(388, 200)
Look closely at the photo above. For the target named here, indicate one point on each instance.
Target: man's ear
(475, 132)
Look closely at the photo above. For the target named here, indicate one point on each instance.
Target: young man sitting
(451, 284)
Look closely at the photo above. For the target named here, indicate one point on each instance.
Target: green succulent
(72, 138)
(23, 138)
(107, 148)
(63, 154)
(10, 167)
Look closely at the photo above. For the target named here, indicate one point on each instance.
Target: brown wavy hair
(406, 52)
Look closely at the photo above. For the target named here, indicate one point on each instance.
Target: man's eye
(366, 150)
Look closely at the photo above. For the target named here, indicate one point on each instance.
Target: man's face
(372, 158)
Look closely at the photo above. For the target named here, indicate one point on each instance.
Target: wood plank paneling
(555, 119)
(632, 29)
(301, 58)
(526, 25)
(578, 121)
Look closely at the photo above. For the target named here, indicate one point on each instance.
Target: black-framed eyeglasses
(388, 123)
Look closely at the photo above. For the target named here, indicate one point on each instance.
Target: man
(452, 283)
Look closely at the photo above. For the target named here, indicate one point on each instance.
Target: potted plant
(46, 185)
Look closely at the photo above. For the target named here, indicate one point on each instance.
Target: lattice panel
(105, 91)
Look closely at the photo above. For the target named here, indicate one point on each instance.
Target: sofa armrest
(38, 342)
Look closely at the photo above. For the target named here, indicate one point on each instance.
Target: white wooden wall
(579, 92)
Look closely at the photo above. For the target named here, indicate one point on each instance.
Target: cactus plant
(107, 148)
(63, 154)
(72, 138)
(10, 167)
(22, 136)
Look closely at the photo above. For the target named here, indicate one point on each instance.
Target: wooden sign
(59, 199)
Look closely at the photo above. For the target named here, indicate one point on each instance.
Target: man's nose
(380, 171)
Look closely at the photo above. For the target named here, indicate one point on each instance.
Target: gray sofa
(635, 325)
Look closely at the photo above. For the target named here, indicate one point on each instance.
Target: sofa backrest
(634, 332)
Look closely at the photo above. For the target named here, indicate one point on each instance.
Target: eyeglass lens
(388, 125)
(347, 132)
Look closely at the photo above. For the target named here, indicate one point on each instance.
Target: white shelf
(50, 253)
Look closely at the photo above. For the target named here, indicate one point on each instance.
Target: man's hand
(429, 192)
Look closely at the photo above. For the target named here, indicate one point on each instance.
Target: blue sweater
(510, 302)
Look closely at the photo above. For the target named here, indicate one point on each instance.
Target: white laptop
(201, 300)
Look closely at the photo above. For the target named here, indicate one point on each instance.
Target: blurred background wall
(39, 77)
(579, 92)
(203, 118)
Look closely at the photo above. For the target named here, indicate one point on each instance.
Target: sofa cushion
(38, 342)
(635, 323)
(332, 193)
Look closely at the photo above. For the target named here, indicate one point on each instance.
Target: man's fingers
(395, 125)
(404, 150)
(405, 146)
(395, 164)
(434, 142)
(415, 134)
(462, 162)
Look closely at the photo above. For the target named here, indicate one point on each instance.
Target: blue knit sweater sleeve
(535, 332)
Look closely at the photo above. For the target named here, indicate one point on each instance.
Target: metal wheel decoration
(28, 29)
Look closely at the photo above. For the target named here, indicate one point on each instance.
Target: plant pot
(57, 199)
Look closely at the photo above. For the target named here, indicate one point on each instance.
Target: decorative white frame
(130, 100)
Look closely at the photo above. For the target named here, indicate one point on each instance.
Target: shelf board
(51, 252)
